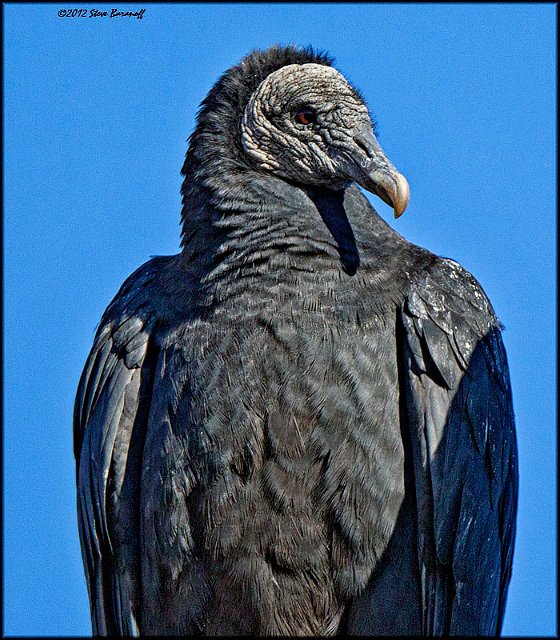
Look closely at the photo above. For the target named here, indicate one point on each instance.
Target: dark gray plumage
(302, 423)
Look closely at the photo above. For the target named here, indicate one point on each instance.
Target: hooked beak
(371, 169)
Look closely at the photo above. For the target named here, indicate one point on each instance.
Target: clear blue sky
(96, 116)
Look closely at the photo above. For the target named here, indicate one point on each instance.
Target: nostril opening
(362, 147)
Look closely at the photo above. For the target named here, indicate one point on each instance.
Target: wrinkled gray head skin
(307, 124)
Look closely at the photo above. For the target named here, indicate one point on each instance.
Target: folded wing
(459, 409)
(110, 418)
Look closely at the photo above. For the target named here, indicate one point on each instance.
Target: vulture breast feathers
(301, 424)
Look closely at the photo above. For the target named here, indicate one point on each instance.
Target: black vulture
(301, 424)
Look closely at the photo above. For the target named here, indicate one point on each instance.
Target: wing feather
(110, 418)
(461, 424)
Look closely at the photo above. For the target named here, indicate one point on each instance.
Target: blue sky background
(96, 116)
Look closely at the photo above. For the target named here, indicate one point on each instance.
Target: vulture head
(305, 122)
(286, 113)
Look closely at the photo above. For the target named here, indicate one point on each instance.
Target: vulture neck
(238, 219)
(247, 232)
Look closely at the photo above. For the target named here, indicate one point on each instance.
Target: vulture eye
(305, 116)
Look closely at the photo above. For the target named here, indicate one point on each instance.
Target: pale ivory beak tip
(402, 195)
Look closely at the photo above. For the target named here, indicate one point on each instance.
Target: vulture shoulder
(110, 418)
(458, 406)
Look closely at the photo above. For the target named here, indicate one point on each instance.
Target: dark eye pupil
(306, 116)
